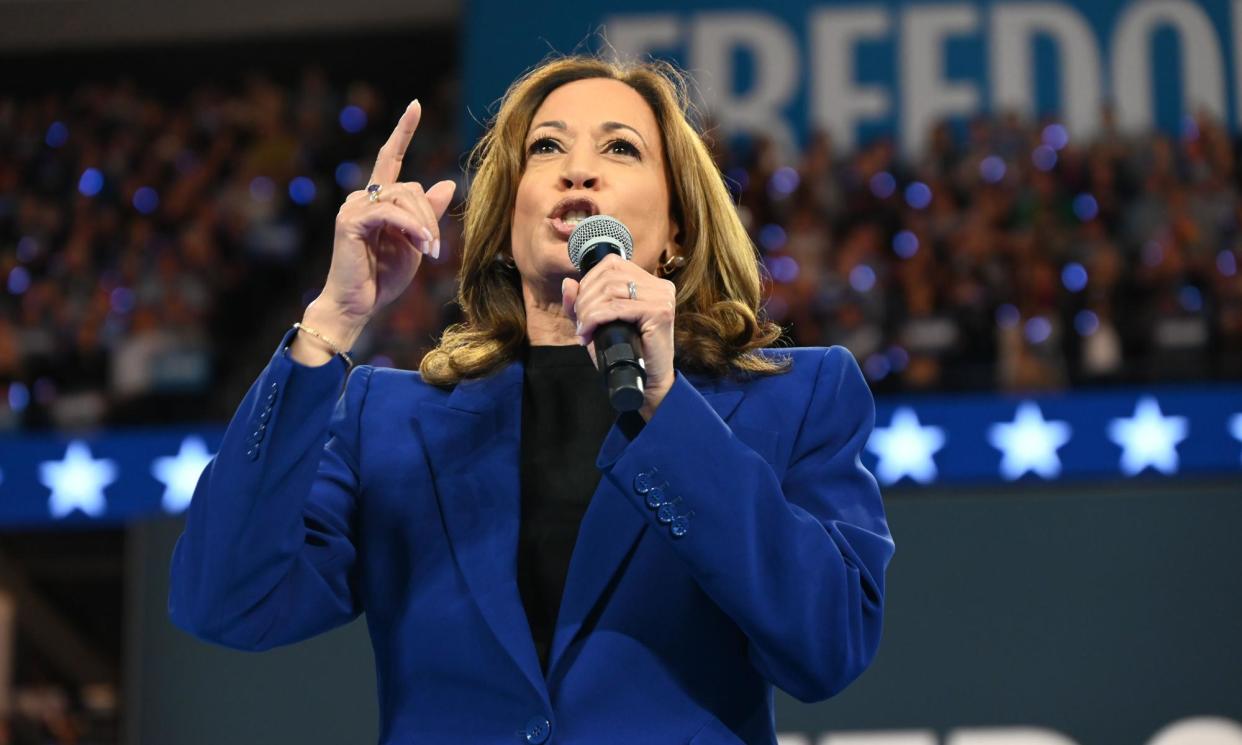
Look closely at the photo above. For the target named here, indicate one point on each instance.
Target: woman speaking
(533, 566)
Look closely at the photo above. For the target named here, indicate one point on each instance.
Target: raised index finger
(388, 163)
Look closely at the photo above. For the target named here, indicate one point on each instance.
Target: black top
(565, 417)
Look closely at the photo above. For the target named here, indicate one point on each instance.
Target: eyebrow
(606, 126)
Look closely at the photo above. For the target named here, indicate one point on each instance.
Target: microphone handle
(618, 352)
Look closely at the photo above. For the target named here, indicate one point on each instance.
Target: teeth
(574, 217)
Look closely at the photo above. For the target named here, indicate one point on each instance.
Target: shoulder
(820, 383)
(394, 386)
(808, 367)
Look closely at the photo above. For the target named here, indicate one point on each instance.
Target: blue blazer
(734, 544)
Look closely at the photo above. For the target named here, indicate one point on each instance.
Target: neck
(546, 321)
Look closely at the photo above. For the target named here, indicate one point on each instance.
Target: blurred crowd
(1008, 255)
(153, 245)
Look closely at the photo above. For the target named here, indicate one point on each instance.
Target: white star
(1148, 438)
(905, 448)
(1235, 426)
(77, 482)
(1029, 443)
(179, 473)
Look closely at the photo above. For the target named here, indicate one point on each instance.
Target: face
(577, 148)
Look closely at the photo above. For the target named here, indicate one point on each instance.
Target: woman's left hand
(603, 295)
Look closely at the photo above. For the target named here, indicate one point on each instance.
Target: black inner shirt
(565, 417)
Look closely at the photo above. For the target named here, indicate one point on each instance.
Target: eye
(629, 147)
(534, 146)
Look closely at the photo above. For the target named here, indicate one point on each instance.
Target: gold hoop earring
(671, 265)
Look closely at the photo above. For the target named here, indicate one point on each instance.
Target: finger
(619, 310)
(385, 214)
(411, 197)
(569, 293)
(388, 162)
(440, 196)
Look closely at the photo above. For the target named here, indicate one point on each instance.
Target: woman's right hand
(379, 245)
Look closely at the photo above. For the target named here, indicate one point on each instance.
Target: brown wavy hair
(719, 325)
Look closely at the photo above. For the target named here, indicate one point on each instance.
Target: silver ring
(633, 290)
(373, 192)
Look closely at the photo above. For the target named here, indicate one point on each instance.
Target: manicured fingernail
(563, 281)
(411, 104)
(435, 248)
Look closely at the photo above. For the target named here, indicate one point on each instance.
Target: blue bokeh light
(883, 185)
(898, 357)
(91, 182)
(862, 278)
(783, 182)
(19, 280)
(57, 135)
(877, 366)
(1085, 207)
(784, 269)
(302, 190)
(122, 300)
(1227, 263)
(905, 244)
(1044, 158)
(1007, 316)
(353, 119)
(1037, 330)
(1190, 128)
(772, 237)
(1086, 322)
(27, 248)
(146, 200)
(1055, 136)
(1190, 298)
(19, 396)
(349, 176)
(1074, 277)
(918, 195)
(992, 169)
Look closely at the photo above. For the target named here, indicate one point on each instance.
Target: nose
(578, 172)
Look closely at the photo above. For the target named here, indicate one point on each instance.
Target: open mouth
(569, 212)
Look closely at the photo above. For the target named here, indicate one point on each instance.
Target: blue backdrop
(977, 439)
(859, 69)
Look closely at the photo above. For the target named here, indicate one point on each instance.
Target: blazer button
(655, 497)
(643, 482)
(265, 414)
(257, 435)
(253, 452)
(537, 730)
(275, 387)
(681, 525)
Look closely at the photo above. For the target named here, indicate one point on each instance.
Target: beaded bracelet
(349, 363)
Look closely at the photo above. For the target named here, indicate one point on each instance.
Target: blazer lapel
(610, 531)
(473, 443)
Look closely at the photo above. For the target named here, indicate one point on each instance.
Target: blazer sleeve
(797, 562)
(267, 554)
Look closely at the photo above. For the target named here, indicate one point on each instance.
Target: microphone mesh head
(589, 232)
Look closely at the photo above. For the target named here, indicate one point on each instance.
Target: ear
(674, 237)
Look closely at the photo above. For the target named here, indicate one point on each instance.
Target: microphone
(618, 344)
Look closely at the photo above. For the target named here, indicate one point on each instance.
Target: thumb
(569, 294)
(440, 195)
